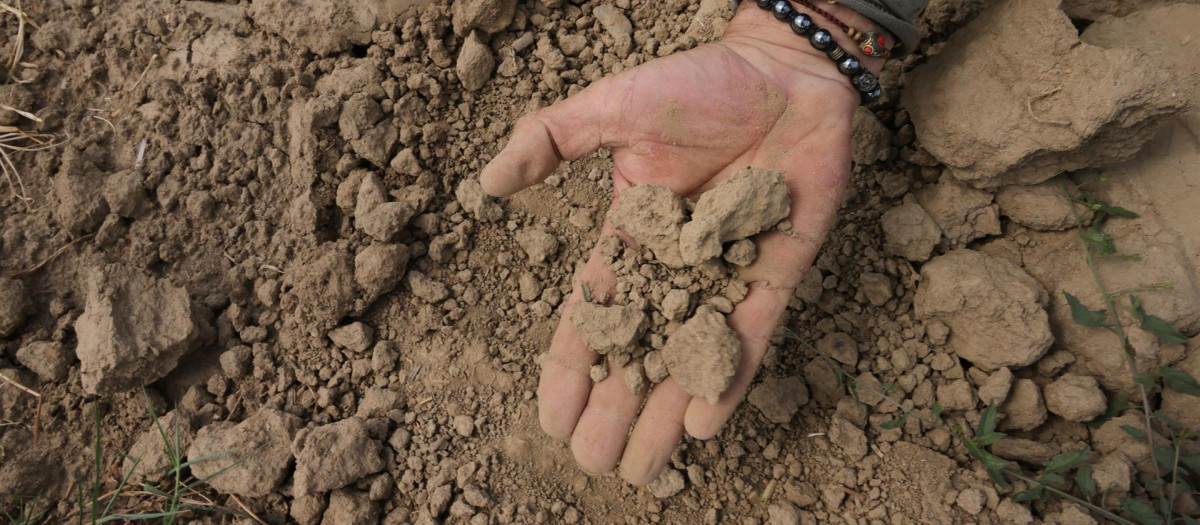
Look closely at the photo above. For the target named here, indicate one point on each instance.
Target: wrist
(763, 25)
(758, 29)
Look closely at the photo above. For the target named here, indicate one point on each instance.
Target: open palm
(687, 122)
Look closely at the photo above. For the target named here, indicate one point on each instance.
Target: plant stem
(1174, 480)
(1067, 496)
(1118, 329)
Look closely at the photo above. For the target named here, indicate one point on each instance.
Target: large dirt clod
(653, 216)
(133, 330)
(609, 328)
(253, 457)
(1076, 398)
(1040, 206)
(332, 456)
(148, 460)
(1015, 99)
(778, 398)
(993, 308)
(751, 201)
(488, 16)
(345, 24)
(475, 63)
(963, 213)
(910, 232)
(703, 354)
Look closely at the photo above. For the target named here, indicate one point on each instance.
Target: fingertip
(530, 156)
(589, 453)
(700, 423)
(656, 435)
(640, 478)
(493, 183)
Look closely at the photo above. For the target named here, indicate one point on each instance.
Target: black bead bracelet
(822, 40)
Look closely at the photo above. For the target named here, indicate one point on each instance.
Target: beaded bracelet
(870, 43)
(822, 40)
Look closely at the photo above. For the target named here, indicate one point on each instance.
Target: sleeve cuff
(903, 28)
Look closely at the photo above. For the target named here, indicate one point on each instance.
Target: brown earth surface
(265, 214)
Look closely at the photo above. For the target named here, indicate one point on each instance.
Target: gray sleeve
(896, 16)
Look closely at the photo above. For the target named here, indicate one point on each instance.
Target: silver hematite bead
(849, 66)
(802, 25)
(872, 96)
(782, 10)
(765, 4)
(865, 82)
(820, 39)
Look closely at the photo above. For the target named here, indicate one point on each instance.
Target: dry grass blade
(53, 256)
(37, 415)
(22, 21)
(14, 140)
(247, 510)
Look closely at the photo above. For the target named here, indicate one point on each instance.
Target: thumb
(541, 140)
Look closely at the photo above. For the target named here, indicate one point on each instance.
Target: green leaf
(1145, 514)
(990, 462)
(1117, 211)
(1170, 420)
(895, 423)
(1053, 479)
(1145, 380)
(1165, 456)
(1191, 461)
(1099, 241)
(1067, 460)
(1083, 316)
(1083, 478)
(1158, 326)
(1179, 381)
(1116, 408)
(1137, 433)
(889, 388)
(1036, 493)
(587, 292)
(936, 413)
(986, 433)
(1188, 520)
(1095, 204)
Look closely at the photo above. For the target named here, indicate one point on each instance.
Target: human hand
(761, 97)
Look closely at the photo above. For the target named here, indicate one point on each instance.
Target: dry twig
(37, 414)
(53, 256)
